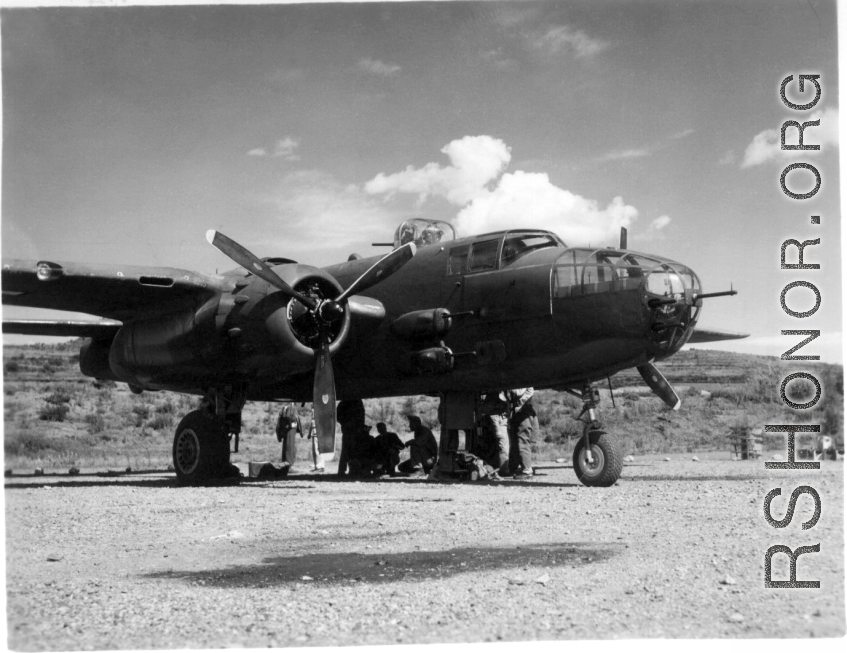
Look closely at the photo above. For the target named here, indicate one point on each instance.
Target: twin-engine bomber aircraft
(439, 315)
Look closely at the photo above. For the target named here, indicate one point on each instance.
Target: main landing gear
(597, 460)
(201, 442)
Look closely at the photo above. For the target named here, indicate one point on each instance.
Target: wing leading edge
(112, 291)
(705, 335)
(103, 330)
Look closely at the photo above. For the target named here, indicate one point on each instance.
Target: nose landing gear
(597, 460)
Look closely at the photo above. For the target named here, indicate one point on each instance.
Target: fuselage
(524, 310)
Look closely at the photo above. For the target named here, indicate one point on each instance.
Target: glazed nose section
(670, 306)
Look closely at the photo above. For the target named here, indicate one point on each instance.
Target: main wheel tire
(201, 448)
(607, 463)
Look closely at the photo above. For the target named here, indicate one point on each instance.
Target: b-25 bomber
(438, 315)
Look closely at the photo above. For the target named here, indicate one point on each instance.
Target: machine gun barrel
(723, 293)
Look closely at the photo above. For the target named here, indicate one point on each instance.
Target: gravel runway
(676, 549)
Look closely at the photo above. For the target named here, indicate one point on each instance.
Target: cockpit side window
(519, 246)
(484, 255)
(458, 260)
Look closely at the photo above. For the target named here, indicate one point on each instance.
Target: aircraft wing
(704, 335)
(119, 292)
(103, 330)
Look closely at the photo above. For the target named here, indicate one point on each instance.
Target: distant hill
(54, 416)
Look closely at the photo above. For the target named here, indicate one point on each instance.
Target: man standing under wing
(522, 425)
(288, 427)
(316, 454)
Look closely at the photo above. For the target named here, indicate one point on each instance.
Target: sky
(311, 131)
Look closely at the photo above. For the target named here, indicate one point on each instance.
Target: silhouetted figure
(351, 417)
(288, 428)
(388, 446)
(423, 448)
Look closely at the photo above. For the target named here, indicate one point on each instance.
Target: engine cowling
(296, 329)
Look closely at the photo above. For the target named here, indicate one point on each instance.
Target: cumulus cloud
(490, 200)
(284, 148)
(564, 37)
(766, 145)
(316, 206)
(660, 223)
(474, 162)
(377, 67)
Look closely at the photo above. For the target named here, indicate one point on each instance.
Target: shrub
(161, 421)
(58, 397)
(141, 413)
(382, 410)
(54, 412)
(96, 423)
(11, 367)
(166, 408)
(31, 444)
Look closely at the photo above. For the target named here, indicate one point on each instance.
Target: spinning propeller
(324, 312)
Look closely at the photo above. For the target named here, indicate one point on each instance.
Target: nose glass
(669, 300)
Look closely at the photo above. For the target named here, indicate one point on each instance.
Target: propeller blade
(659, 384)
(323, 400)
(257, 266)
(382, 269)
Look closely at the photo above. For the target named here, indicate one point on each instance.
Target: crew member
(316, 452)
(523, 423)
(351, 417)
(423, 448)
(288, 427)
(364, 456)
(495, 407)
(388, 446)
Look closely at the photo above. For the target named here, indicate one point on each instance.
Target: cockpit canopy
(423, 232)
(590, 270)
(498, 250)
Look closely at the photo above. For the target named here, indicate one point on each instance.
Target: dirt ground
(676, 549)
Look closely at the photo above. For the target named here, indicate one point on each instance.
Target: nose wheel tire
(606, 463)
(201, 448)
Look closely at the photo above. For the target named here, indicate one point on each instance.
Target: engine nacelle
(94, 360)
(253, 332)
(418, 325)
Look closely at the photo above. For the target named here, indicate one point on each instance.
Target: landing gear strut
(201, 442)
(596, 457)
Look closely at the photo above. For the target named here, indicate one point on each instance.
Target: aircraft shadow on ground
(414, 566)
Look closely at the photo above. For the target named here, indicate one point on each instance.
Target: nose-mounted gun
(691, 298)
